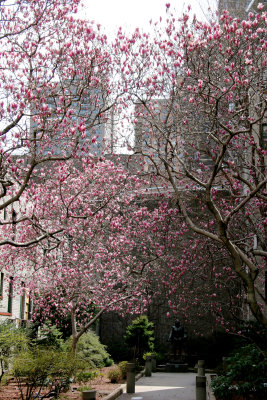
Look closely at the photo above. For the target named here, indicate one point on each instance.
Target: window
(29, 307)
(10, 296)
(22, 301)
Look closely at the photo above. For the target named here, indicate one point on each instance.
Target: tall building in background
(239, 8)
(236, 8)
(161, 135)
(156, 132)
(86, 106)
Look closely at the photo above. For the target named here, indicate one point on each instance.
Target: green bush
(90, 350)
(245, 374)
(84, 388)
(43, 370)
(114, 374)
(109, 362)
(85, 376)
(12, 341)
(140, 336)
(147, 354)
(123, 369)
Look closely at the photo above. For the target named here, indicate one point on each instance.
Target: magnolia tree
(199, 94)
(55, 91)
(96, 261)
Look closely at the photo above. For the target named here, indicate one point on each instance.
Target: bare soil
(102, 384)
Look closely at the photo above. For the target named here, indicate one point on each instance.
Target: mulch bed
(102, 384)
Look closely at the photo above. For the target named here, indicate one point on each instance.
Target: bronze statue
(177, 337)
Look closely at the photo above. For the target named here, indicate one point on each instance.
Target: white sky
(135, 13)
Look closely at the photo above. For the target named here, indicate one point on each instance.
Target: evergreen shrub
(114, 374)
(90, 350)
(140, 336)
(245, 375)
(123, 369)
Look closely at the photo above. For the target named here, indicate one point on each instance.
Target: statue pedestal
(177, 363)
(176, 367)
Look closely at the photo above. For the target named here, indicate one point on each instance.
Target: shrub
(85, 376)
(246, 372)
(114, 374)
(109, 362)
(84, 388)
(39, 369)
(147, 354)
(123, 369)
(140, 336)
(90, 350)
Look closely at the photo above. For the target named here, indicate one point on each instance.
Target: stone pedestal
(148, 366)
(201, 381)
(130, 385)
(89, 395)
(200, 388)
